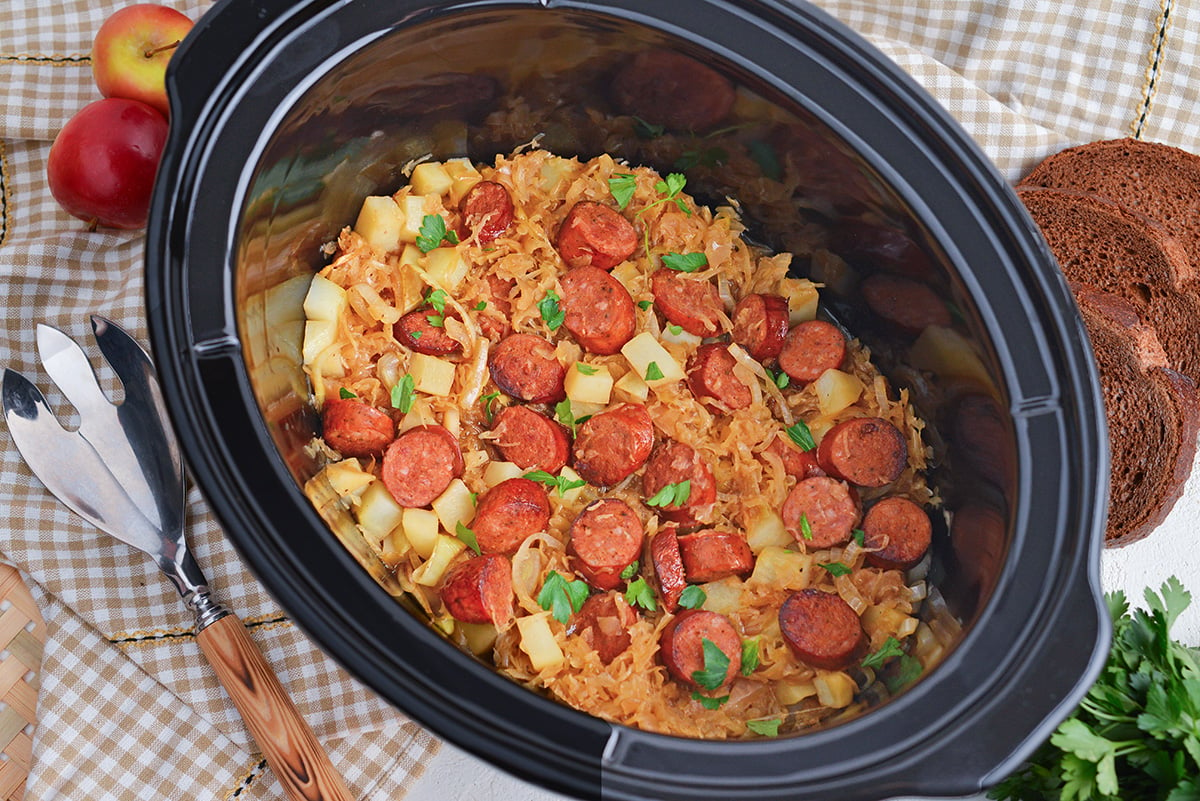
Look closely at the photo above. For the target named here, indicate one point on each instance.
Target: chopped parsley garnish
(346, 394)
(402, 394)
(749, 656)
(645, 304)
(653, 372)
(566, 416)
(708, 702)
(767, 728)
(890, 648)
(468, 536)
(671, 494)
(488, 400)
(433, 233)
(585, 369)
(481, 305)
(709, 157)
(436, 320)
(647, 130)
(552, 315)
(802, 436)
(685, 262)
(671, 187)
(675, 330)
(561, 596)
(622, 185)
(764, 156)
(692, 597)
(859, 535)
(416, 334)
(909, 670)
(780, 379)
(805, 527)
(630, 570)
(640, 594)
(437, 299)
(836, 568)
(550, 480)
(716, 666)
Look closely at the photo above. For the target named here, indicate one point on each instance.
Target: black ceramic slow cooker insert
(286, 115)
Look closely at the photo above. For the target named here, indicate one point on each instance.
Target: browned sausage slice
(811, 348)
(479, 590)
(416, 331)
(595, 235)
(494, 318)
(822, 630)
(531, 440)
(796, 463)
(674, 462)
(710, 377)
(420, 464)
(760, 325)
(875, 246)
(605, 539)
(613, 444)
(901, 532)
(689, 303)
(867, 451)
(710, 555)
(668, 566)
(682, 644)
(354, 428)
(525, 367)
(902, 303)
(487, 210)
(509, 513)
(604, 621)
(598, 310)
(669, 88)
(829, 508)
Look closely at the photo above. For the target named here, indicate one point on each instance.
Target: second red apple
(131, 51)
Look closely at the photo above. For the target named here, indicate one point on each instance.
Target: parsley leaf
(708, 702)
(561, 482)
(653, 372)
(436, 320)
(909, 670)
(780, 379)
(890, 648)
(566, 415)
(692, 597)
(345, 394)
(859, 535)
(481, 305)
(645, 304)
(805, 527)
(801, 435)
(685, 262)
(437, 299)
(585, 369)
(561, 596)
(764, 156)
(415, 334)
(709, 157)
(647, 130)
(767, 728)
(630, 570)
(671, 494)
(433, 233)
(836, 568)
(749, 656)
(468, 536)
(552, 315)
(716, 665)
(488, 400)
(639, 594)
(402, 394)
(622, 186)
(675, 330)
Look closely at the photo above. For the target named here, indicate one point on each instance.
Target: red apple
(102, 164)
(131, 51)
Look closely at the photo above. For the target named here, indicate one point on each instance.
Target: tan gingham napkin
(128, 708)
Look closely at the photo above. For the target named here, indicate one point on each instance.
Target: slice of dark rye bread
(1103, 244)
(1153, 416)
(1159, 181)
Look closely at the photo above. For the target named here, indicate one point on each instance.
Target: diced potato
(495, 472)
(446, 267)
(412, 286)
(792, 691)
(819, 427)
(802, 298)
(830, 269)
(347, 477)
(883, 619)
(723, 597)
(480, 637)
(644, 350)
(680, 337)
(835, 690)
(430, 178)
(393, 548)
(781, 567)
(836, 390)
(463, 177)
(765, 529)
(284, 302)
(421, 529)
(632, 385)
(584, 388)
(947, 353)
(419, 414)
(430, 572)
(324, 300)
(412, 256)
(581, 410)
(412, 209)
(380, 221)
(570, 475)
(626, 272)
(454, 506)
(538, 641)
(431, 375)
(318, 335)
(378, 513)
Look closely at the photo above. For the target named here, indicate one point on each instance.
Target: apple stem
(162, 49)
(92, 225)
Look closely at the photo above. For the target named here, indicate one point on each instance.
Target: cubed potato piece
(479, 637)
(724, 596)
(430, 178)
(412, 208)
(380, 222)
(802, 298)
(421, 413)
(445, 548)
(463, 177)
(284, 302)
(421, 528)
(324, 300)
(393, 548)
(318, 335)
(537, 641)
(793, 691)
(834, 690)
(455, 505)
(948, 354)
(378, 513)
(412, 286)
(836, 390)
(588, 383)
(781, 567)
(431, 375)
(496, 472)
(766, 529)
(644, 350)
(830, 269)
(446, 267)
(347, 477)
(632, 385)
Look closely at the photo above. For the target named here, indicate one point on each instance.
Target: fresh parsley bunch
(1136, 735)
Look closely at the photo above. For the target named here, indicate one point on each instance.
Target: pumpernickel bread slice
(1153, 416)
(1102, 244)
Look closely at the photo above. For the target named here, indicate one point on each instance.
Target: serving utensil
(121, 471)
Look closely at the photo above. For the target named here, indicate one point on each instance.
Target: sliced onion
(478, 374)
(744, 359)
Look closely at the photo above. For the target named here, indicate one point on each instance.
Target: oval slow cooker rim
(161, 303)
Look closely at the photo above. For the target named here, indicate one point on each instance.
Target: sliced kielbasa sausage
(673, 90)
(493, 319)
(710, 555)
(692, 304)
(820, 512)
(605, 539)
(487, 210)
(479, 590)
(354, 428)
(811, 348)
(796, 463)
(710, 377)
(867, 451)
(668, 566)
(598, 310)
(899, 530)
(595, 235)
(530, 440)
(420, 464)
(611, 445)
(760, 325)
(672, 463)
(525, 367)
(822, 630)
(682, 645)
(417, 331)
(880, 247)
(604, 621)
(906, 305)
(509, 513)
